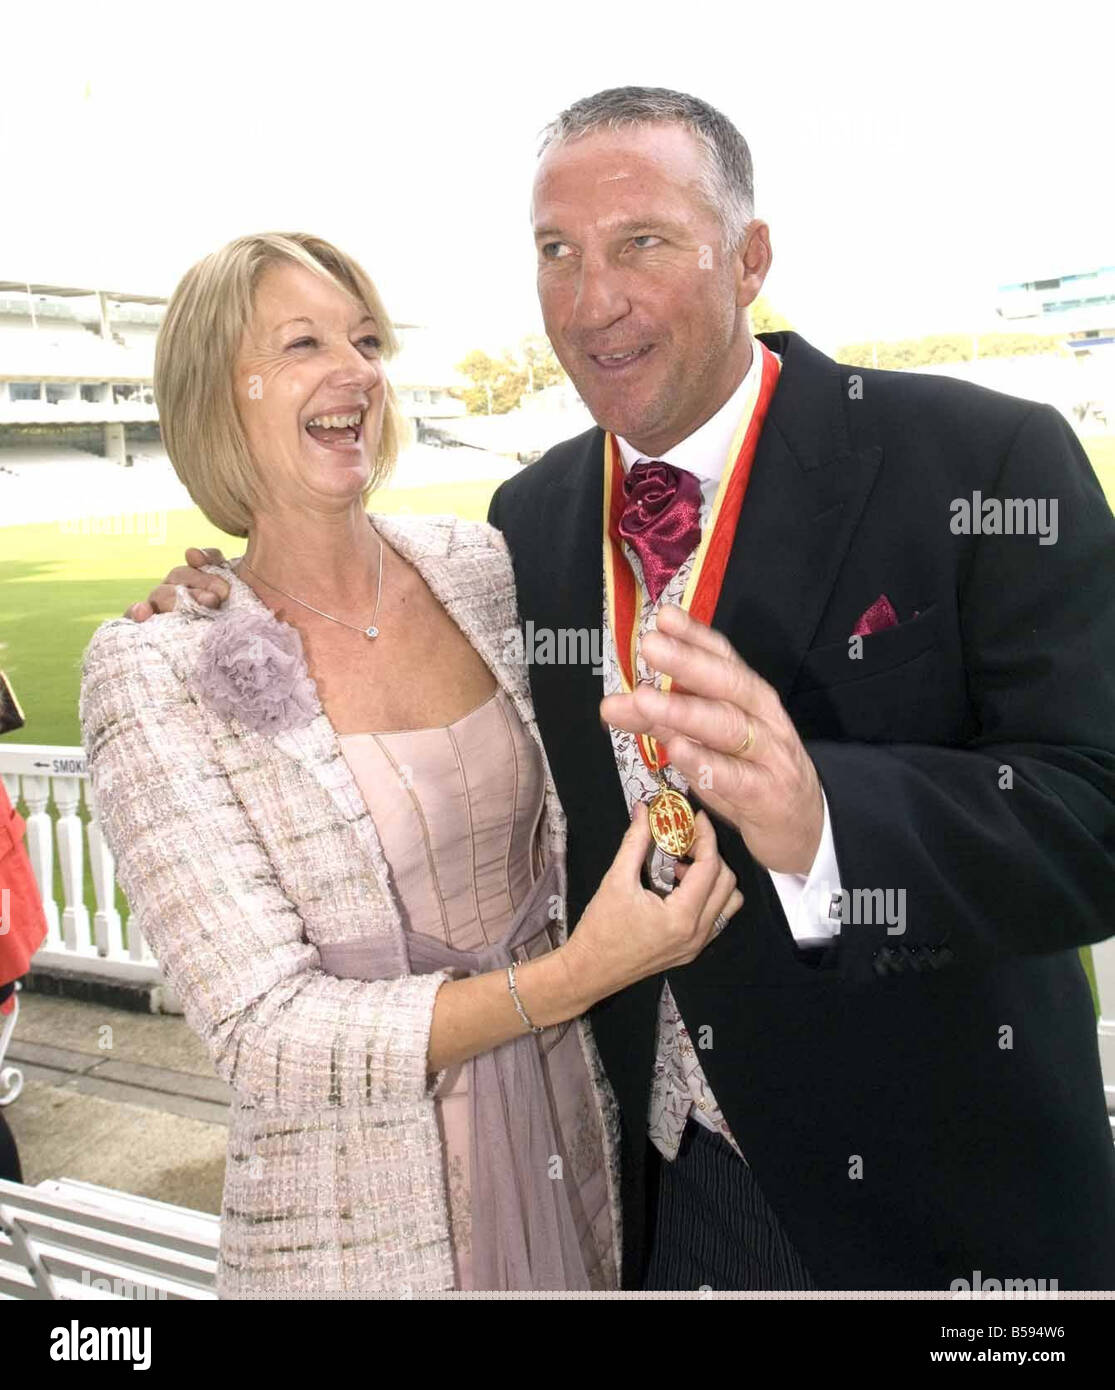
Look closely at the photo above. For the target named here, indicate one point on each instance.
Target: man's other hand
(208, 589)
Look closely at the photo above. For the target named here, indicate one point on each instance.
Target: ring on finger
(719, 923)
(746, 743)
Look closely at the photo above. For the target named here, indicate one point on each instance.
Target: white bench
(74, 1240)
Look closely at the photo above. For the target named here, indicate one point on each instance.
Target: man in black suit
(908, 1092)
(883, 1073)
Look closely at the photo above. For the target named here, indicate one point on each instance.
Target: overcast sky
(908, 158)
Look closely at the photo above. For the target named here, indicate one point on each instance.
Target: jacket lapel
(807, 491)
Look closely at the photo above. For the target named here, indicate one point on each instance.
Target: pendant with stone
(371, 632)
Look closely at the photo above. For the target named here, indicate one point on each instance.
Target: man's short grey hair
(728, 182)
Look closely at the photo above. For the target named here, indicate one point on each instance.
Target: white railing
(50, 786)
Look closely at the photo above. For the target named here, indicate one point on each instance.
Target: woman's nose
(354, 365)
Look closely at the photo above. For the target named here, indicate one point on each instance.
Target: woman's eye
(304, 342)
(370, 342)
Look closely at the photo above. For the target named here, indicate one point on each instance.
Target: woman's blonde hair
(195, 354)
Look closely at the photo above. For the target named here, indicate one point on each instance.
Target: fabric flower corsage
(252, 666)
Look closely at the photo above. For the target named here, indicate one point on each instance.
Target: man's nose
(601, 296)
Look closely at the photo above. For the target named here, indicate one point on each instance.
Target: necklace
(370, 631)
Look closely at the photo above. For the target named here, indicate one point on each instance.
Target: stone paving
(124, 1099)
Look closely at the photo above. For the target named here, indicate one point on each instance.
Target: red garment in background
(23, 926)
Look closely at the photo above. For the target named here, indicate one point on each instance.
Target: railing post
(107, 932)
(138, 948)
(75, 915)
(40, 850)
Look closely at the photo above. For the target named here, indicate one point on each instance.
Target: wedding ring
(719, 924)
(746, 744)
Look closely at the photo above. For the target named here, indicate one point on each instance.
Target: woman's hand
(208, 589)
(627, 932)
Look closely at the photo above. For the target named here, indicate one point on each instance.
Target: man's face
(644, 306)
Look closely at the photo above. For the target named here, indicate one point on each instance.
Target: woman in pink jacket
(333, 818)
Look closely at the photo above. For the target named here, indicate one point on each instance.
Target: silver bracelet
(518, 1002)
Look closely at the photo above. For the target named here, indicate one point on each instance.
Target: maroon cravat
(661, 519)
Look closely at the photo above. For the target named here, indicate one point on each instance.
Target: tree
(927, 351)
(542, 367)
(1020, 344)
(499, 383)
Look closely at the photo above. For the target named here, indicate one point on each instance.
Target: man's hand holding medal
(727, 732)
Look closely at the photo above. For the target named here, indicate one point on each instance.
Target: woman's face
(310, 388)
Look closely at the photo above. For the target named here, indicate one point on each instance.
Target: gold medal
(672, 825)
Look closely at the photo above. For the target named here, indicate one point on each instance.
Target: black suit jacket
(954, 1066)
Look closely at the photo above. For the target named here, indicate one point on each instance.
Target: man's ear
(752, 262)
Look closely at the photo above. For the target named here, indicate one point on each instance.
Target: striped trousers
(713, 1227)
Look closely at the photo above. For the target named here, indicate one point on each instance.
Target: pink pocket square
(880, 615)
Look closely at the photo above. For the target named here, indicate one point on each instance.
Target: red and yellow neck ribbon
(623, 591)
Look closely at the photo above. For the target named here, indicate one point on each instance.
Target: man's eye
(645, 240)
(555, 250)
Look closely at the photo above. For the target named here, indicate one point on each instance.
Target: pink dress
(457, 810)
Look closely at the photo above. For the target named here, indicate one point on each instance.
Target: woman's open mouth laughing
(337, 429)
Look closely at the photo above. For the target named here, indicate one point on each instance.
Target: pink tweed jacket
(241, 854)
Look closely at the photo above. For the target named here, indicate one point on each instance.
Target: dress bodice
(457, 810)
